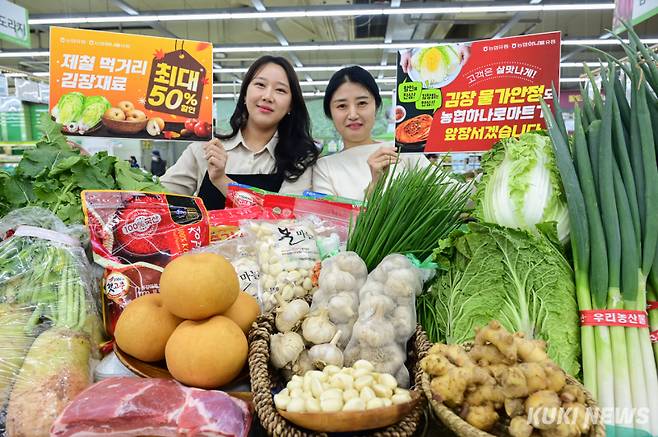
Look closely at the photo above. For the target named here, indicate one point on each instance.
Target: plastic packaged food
(134, 236)
(49, 322)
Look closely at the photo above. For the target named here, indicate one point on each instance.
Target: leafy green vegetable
(53, 175)
(68, 108)
(521, 186)
(490, 272)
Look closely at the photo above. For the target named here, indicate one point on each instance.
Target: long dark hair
(354, 74)
(295, 151)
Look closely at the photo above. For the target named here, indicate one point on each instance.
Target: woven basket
(264, 378)
(463, 429)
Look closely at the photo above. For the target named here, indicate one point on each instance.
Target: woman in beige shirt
(351, 101)
(269, 147)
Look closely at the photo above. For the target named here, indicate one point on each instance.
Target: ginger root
(482, 417)
(495, 334)
(507, 375)
(487, 354)
(543, 409)
(519, 427)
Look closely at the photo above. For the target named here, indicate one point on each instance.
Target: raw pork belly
(154, 407)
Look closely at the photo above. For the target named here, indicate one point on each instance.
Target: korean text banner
(466, 97)
(107, 84)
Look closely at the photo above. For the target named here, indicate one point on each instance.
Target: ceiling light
(22, 54)
(321, 12)
(306, 94)
(603, 42)
(310, 68)
(308, 82)
(324, 47)
(580, 64)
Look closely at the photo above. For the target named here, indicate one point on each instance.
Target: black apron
(214, 199)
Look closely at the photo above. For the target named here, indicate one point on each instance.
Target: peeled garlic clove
(363, 381)
(275, 269)
(313, 405)
(298, 291)
(307, 284)
(296, 393)
(331, 393)
(297, 405)
(342, 381)
(388, 380)
(374, 403)
(354, 404)
(316, 388)
(401, 398)
(382, 391)
(361, 372)
(331, 405)
(367, 393)
(281, 401)
(330, 370)
(349, 394)
(364, 364)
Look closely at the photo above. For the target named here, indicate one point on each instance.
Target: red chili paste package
(134, 236)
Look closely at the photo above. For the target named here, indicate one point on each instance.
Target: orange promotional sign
(105, 84)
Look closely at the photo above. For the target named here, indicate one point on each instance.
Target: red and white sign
(624, 318)
(466, 97)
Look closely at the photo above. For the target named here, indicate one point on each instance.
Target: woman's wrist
(222, 184)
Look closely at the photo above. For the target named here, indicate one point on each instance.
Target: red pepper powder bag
(134, 236)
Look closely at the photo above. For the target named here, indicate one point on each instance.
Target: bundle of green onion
(408, 214)
(610, 179)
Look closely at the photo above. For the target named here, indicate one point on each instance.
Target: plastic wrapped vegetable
(48, 323)
(340, 279)
(68, 110)
(387, 317)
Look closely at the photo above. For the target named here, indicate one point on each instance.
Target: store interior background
(24, 84)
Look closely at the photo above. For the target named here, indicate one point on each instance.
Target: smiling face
(268, 97)
(353, 111)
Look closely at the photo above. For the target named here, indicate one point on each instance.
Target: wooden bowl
(344, 421)
(159, 369)
(123, 126)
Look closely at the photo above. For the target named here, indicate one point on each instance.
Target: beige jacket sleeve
(186, 175)
(302, 184)
(321, 180)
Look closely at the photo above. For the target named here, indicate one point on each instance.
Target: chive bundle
(408, 213)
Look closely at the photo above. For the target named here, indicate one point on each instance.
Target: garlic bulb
(342, 308)
(317, 328)
(288, 315)
(336, 280)
(285, 348)
(303, 364)
(324, 354)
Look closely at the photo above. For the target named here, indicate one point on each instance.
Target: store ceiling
(237, 35)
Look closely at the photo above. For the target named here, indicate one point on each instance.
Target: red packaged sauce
(134, 236)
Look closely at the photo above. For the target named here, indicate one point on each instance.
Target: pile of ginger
(509, 383)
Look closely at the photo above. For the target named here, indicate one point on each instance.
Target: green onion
(408, 214)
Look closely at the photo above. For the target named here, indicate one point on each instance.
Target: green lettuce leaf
(520, 185)
(68, 108)
(489, 272)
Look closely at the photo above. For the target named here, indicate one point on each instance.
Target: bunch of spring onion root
(608, 169)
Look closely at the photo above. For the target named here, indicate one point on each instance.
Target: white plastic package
(387, 317)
